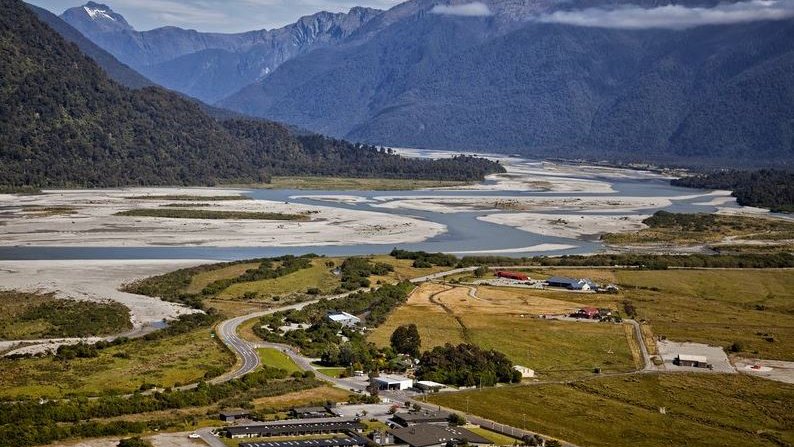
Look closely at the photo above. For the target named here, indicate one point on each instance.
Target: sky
(217, 15)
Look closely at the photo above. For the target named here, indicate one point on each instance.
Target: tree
(456, 419)
(406, 340)
(134, 442)
(481, 271)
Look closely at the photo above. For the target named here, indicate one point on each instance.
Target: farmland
(703, 410)
(507, 321)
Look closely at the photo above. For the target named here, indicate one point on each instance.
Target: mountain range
(68, 122)
(495, 75)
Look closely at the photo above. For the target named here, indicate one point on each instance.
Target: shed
(234, 414)
(393, 382)
(344, 318)
(694, 361)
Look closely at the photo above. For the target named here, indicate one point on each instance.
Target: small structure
(421, 417)
(296, 427)
(692, 361)
(587, 313)
(526, 373)
(344, 318)
(313, 412)
(428, 435)
(571, 284)
(234, 414)
(386, 383)
(518, 276)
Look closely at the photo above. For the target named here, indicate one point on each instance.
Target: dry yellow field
(302, 398)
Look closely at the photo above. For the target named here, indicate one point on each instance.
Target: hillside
(710, 95)
(66, 124)
(210, 66)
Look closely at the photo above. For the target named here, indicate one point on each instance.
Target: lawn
(501, 319)
(356, 184)
(203, 279)
(333, 371)
(167, 362)
(318, 276)
(704, 410)
(277, 359)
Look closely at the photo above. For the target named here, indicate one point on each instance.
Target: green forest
(765, 188)
(66, 124)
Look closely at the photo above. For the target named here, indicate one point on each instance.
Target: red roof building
(513, 275)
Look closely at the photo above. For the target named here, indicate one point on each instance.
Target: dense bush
(766, 188)
(466, 365)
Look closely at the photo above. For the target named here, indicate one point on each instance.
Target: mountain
(210, 66)
(505, 81)
(64, 122)
(117, 71)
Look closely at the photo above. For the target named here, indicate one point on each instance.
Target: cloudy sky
(217, 15)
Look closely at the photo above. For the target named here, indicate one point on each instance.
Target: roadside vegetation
(33, 316)
(178, 213)
(665, 227)
(643, 410)
(185, 352)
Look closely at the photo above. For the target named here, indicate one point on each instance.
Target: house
(420, 417)
(571, 284)
(428, 435)
(344, 318)
(313, 412)
(348, 441)
(693, 361)
(587, 313)
(518, 276)
(526, 373)
(387, 382)
(296, 427)
(232, 415)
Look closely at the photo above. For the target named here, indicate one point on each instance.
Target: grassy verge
(360, 184)
(704, 410)
(319, 395)
(176, 213)
(32, 316)
(332, 372)
(274, 358)
(318, 277)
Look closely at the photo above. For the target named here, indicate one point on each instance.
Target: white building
(393, 382)
(344, 318)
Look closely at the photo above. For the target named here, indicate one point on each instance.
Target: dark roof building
(571, 284)
(312, 412)
(296, 427)
(428, 435)
(234, 414)
(351, 441)
(420, 417)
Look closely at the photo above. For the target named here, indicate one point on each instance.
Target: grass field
(179, 213)
(403, 269)
(333, 371)
(359, 184)
(701, 410)
(317, 276)
(496, 438)
(503, 320)
(287, 401)
(277, 359)
(174, 360)
(203, 279)
(718, 307)
(32, 316)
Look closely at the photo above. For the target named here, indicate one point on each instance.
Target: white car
(194, 436)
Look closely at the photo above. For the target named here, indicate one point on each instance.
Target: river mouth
(536, 208)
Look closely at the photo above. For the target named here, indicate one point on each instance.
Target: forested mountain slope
(65, 123)
(713, 95)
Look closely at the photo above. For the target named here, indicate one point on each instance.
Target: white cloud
(674, 16)
(474, 9)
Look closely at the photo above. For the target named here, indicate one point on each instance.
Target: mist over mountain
(210, 66)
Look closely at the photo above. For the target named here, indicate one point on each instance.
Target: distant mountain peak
(95, 17)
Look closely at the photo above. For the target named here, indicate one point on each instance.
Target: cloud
(673, 16)
(474, 9)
